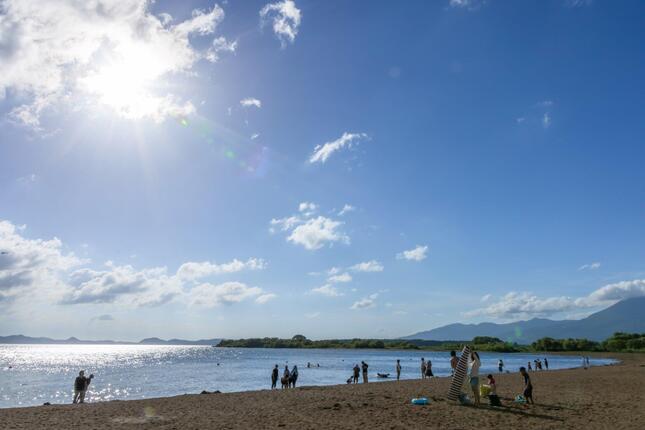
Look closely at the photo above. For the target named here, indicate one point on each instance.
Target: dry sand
(609, 397)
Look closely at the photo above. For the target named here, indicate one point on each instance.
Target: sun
(126, 81)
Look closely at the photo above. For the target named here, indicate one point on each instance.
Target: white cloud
(28, 179)
(210, 295)
(323, 152)
(577, 3)
(36, 269)
(415, 254)
(467, 4)
(195, 270)
(486, 297)
(346, 209)
(307, 208)
(264, 298)
(327, 290)
(546, 120)
(285, 224)
(525, 305)
(366, 302)
(343, 277)
(367, 266)
(27, 265)
(104, 52)
(255, 136)
(285, 17)
(250, 101)
(220, 44)
(591, 266)
(317, 232)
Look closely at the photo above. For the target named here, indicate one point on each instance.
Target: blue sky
(180, 169)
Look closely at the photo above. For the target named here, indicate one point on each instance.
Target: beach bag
(484, 390)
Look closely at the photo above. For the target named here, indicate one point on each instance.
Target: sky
(331, 168)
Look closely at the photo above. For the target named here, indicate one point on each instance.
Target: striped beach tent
(460, 374)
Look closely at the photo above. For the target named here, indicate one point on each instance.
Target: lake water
(34, 374)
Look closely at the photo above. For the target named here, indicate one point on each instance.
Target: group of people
(538, 364)
(289, 377)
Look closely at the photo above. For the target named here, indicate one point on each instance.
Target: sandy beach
(597, 398)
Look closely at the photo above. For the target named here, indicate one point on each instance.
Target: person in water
(546, 364)
(453, 361)
(500, 366)
(530, 368)
(423, 368)
(473, 367)
(357, 372)
(364, 367)
(80, 387)
(274, 377)
(429, 369)
(528, 387)
(398, 369)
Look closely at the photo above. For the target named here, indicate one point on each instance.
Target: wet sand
(607, 397)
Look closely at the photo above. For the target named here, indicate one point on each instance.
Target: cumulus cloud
(366, 302)
(309, 231)
(327, 290)
(251, 101)
(209, 295)
(346, 209)
(590, 266)
(193, 270)
(29, 264)
(219, 45)
(323, 152)
(367, 266)
(516, 305)
(343, 277)
(104, 52)
(416, 254)
(36, 268)
(285, 18)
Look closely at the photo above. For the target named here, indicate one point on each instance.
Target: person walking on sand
(500, 366)
(423, 368)
(398, 369)
(546, 364)
(364, 367)
(274, 377)
(473, 366)
(80, 387)
(357, 372)
(528, 387)
(453, 361)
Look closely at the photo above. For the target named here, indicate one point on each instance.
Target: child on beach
(528, 387)
(357, 372)
(500, 365)
(423, 368)
(398, 369)
(274, 377)
(493, 398)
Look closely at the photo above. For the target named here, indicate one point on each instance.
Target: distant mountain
(20, 339)
(626, 316)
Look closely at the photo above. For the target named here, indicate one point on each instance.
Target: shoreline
(601, 396)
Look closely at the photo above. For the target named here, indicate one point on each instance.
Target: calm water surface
(34, 374)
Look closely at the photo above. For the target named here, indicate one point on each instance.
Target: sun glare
(126, 82)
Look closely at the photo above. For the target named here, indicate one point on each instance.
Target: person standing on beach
(474, 365)
(274, 377)
(80, 387)
(453, 361)
(357, 372)
(423, 368)
(429, 373)
(530, 368)
(546, 364)
(364, 367)
(528, 387)
(398, 369)
(500, 366)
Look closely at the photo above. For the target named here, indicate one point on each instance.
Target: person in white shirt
(473, 371)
